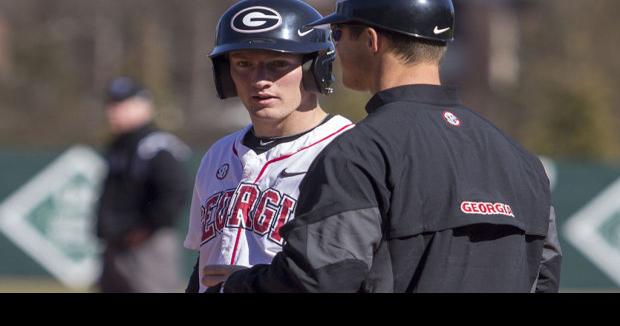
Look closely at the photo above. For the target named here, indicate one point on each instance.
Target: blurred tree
(544, 71)
(569, 80)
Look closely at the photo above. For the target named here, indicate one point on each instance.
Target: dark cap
(123, 88)
(432, 20)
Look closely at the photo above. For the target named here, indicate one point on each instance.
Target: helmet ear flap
(223, 80)
(309, 80)
(317, 73)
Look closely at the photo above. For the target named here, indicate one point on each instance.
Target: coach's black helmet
(274, 25)
(426, 19)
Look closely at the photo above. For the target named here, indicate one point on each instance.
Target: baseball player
(423, 195)
(246, 188)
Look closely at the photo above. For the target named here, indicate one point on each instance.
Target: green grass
(36, 285)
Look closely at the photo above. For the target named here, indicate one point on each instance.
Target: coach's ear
(373, 41)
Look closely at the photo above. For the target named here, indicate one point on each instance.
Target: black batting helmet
(274, 25)
(426, 19)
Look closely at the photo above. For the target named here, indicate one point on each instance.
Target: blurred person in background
(142, 195)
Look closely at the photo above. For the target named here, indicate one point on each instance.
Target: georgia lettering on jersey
(248, 218)
(248, 208)
(242, 199)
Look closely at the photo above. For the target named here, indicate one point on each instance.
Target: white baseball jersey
(242, 199)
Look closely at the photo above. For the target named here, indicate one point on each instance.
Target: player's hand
(216, 274)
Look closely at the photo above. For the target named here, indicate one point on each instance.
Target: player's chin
(269, 105)
(266, 112)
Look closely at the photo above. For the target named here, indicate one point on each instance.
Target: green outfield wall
(54, 202)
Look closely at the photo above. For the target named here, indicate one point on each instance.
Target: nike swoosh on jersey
(285, 174)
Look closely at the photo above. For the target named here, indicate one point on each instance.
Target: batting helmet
(426, 19)
(274, 25)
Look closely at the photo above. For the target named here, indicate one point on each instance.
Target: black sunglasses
(336, 34)
(337, 30)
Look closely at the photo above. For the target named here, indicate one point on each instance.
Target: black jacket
(424, 195)
(146, 186)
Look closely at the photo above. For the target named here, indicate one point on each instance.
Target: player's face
(352, 56)
(269, 83)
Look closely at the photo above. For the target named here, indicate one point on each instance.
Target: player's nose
(262, 78)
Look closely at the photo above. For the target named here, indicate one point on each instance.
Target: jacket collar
(427, 94)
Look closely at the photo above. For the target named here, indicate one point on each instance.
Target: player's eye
(242, 64)
(280, 64)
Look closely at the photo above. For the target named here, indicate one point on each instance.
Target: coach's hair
(410, 49)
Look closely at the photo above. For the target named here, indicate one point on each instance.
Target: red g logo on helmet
(256, 20)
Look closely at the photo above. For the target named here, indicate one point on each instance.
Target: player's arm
(550, 267)
(330, 243)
